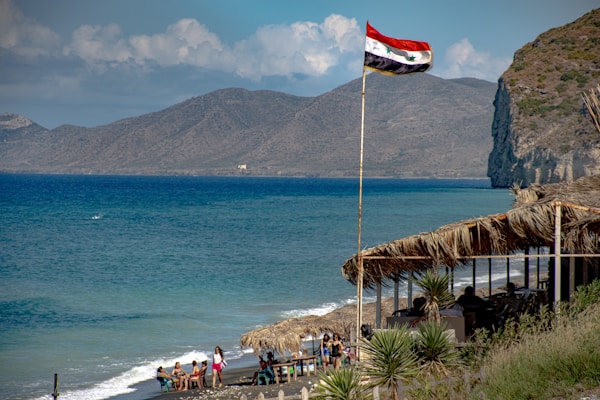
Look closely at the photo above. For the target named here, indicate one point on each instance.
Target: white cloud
(463, 60)
(24, 36)
(186, 42)
(99, 43)
(305, 48)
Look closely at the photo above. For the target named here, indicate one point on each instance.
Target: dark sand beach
(236, 380)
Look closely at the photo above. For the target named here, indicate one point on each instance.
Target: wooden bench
(300, 360)
(277, 368)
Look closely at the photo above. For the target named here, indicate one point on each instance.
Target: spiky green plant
(342, 384)
(390, 358)
(435, 349)
(435, 290)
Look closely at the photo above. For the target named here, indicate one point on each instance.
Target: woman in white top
(217, 366)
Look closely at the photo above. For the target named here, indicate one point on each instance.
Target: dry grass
(561, 363)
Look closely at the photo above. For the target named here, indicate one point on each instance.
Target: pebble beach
(236, 382)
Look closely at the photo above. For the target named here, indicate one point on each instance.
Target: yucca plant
(435, 290)
(435, 348)
(390, 358)
(342, 384)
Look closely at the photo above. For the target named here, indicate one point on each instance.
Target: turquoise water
(105, 278)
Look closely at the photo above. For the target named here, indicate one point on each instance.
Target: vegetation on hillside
(549, 355)
(546, 79)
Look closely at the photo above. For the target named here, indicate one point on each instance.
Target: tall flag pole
(389, 56)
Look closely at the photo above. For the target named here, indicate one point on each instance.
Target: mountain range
(416, 125)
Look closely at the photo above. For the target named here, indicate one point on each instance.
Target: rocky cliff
(541, 129)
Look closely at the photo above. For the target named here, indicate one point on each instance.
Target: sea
(105, 278)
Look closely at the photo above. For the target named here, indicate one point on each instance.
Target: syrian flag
(396, 56)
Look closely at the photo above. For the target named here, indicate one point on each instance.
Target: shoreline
(240, 371)
(237, 377)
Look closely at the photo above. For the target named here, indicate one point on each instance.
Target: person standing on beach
(336, 351)
(325, 344)
(217, 366)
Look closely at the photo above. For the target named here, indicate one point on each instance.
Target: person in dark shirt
(469, 300)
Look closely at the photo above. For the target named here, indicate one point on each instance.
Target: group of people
(181, 380)
(266, 368)
(494, 311)
(331, 351)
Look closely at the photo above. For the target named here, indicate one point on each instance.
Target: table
(278, 372)
(301, 360)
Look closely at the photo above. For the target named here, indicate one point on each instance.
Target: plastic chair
(267, 375)
(164, 383)
(198, 381)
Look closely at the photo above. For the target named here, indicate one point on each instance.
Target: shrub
(530, 106)
(390, 358)
(342, 384)
(435, 349)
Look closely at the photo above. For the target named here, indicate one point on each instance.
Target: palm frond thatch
(286, 336)
(530, 223)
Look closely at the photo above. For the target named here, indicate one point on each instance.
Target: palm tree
(389, 358)
(435, 290)
(342, 384)
(435, 348)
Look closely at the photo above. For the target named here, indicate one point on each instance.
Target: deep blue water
(105, 278)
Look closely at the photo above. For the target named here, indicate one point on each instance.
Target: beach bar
(559, 222)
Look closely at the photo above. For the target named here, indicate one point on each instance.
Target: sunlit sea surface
(105, 278)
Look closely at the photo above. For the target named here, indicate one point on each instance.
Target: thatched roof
(287, 335)
(530, 223)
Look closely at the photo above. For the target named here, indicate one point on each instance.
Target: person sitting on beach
(181, 377)
(196, 375)
(203, 370)
(161, 373)
(325, 344)
(271, 358)
(265, 370)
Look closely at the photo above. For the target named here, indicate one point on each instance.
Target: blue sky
(90, 63)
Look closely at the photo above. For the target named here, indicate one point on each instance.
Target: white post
(557, 261)
(359, 279)
(304, 393)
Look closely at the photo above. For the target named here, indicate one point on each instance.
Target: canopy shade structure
(286, 336)
(530, 223)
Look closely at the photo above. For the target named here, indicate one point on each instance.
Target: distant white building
(242, 167)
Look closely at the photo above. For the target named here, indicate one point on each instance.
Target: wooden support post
(571, 276)
(55, 392)
(490, 276)
(474, 273)
(526, 268)
(396, 292)
(378, 310)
